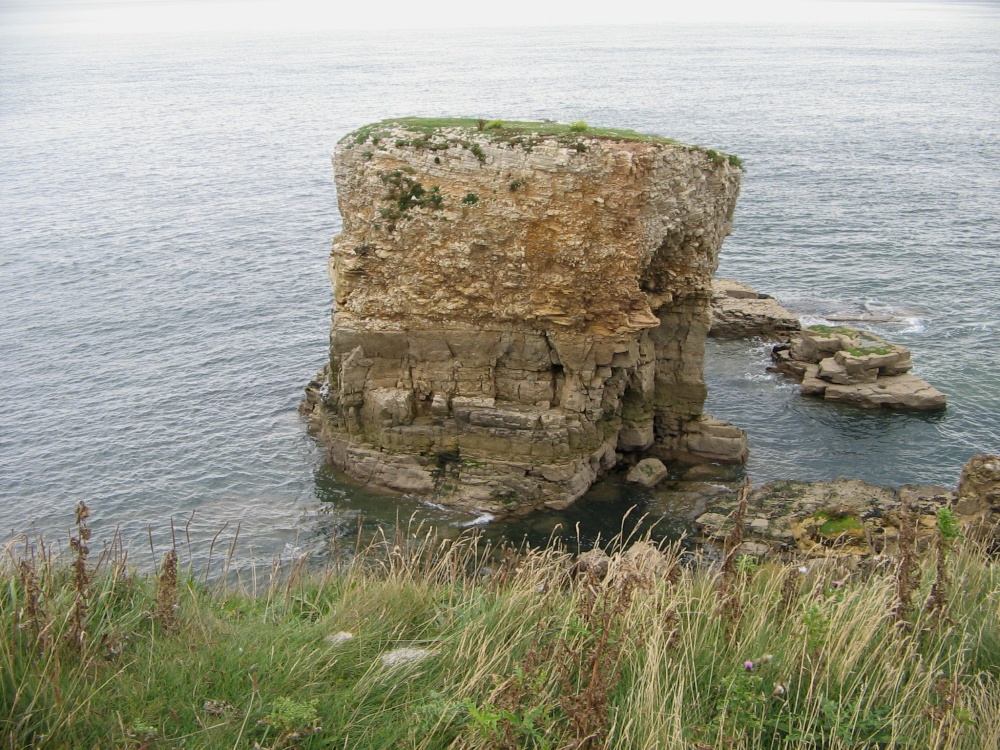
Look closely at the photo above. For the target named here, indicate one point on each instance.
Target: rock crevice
(515, 311)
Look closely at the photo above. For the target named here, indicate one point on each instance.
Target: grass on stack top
(428, 125)
(506, 130)
(503, 649)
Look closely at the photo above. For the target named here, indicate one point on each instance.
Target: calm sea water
(167, 204)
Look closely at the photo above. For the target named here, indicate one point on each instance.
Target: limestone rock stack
(516, 309)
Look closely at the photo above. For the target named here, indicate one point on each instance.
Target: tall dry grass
(458, 644)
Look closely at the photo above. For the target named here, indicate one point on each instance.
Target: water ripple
(167, 205)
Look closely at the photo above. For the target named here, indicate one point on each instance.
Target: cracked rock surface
(515, 312)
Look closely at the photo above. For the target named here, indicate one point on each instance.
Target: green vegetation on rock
(833, 330)
(428, 132)
(864, 351)
(834, 524)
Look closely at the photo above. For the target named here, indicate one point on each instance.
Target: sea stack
(518, 307)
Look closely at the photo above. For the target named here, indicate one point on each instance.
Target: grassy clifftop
(417, 643)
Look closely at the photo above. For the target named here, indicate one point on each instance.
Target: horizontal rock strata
(738, 311)
(847, 366)
(515, 310)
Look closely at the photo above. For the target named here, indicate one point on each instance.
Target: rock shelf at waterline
(851, 518)
(519, 307)
(837, 363)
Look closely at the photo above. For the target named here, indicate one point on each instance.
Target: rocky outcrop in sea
(848, 366)
(837, 363)
(518, 308)
(741, 312)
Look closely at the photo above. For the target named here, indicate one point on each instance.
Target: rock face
(513, 309)
(740, 312)
(855, 367)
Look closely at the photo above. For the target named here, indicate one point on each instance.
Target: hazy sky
(139, 16)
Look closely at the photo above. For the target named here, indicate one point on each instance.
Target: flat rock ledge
(517, 310)
(848, 366)
(848, 517)
(738, 311)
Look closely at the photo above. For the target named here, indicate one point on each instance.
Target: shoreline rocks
(849, 517)
(516, 311)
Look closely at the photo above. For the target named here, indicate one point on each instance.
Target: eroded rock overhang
(516, 311)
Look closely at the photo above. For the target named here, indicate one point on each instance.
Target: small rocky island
(837, 363)
(848, 366)
(519, 307)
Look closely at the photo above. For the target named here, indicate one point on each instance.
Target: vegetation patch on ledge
(519, 132)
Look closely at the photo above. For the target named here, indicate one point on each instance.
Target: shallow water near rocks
(167, 205)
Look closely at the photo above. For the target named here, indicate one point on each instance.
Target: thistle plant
(77, 633)
(32, 614)
(730, 601)
(908, 570)
(166, 592)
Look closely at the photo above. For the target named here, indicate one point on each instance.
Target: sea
(167, 206)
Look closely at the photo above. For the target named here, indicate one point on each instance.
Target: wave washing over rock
(519, 308)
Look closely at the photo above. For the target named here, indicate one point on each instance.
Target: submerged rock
(649, 472)
(515, 308)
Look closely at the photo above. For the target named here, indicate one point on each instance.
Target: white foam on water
(429, 504)
(481, 520)
(914, 325)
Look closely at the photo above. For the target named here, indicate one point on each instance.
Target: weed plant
(500, 647)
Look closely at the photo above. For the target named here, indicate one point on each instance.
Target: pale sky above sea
(290, 16)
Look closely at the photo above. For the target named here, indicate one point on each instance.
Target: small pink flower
(838, 584)
(748, 665)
